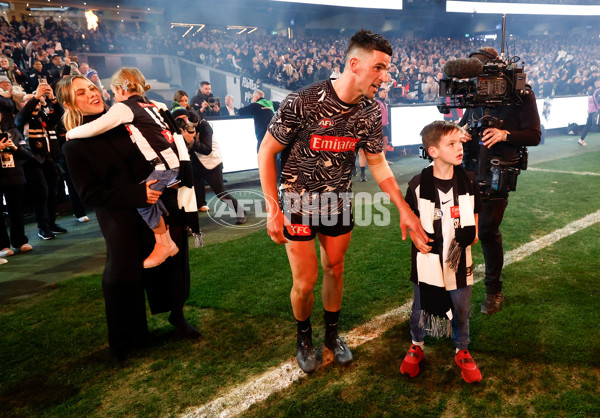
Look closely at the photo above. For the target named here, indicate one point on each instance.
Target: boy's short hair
(432, 133)
(369, 41)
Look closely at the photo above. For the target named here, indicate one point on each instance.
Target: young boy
(446, 199)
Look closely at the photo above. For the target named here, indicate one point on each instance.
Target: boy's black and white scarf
(432, 269)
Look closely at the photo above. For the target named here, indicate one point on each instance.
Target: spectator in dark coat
(12, 181)
(109, 171)
(204, 102)
(262, 111)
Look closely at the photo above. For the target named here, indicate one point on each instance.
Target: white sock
(421, 345)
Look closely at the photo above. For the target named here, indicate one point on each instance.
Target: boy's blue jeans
(461, 311)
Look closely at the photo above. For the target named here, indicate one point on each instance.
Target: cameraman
(207, 162)
(519, 126)
(204, 102)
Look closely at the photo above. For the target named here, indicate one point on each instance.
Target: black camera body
(500, 83)
(491, 85)
(214, 101)
(182, 124)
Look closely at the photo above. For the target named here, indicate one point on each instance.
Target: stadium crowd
(554, 67)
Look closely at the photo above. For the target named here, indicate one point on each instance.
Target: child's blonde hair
(131, 80)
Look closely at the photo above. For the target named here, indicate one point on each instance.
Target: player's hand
(275, 225)
(152, 196)
(475, 241)
(492, 136)
(411, 224)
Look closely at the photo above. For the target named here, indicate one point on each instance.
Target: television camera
(492, 85)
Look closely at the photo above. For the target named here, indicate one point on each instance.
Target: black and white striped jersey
(322, 135)
(146, 127)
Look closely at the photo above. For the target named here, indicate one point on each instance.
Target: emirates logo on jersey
(326, 123)
(332, 143)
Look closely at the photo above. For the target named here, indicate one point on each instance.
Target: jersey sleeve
(374, 142)
(288, 119)
(116, 115)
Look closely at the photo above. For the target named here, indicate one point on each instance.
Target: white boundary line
(283, 376)
(548, 170)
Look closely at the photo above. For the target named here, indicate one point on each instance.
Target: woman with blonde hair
(151, 133)
(109, 173)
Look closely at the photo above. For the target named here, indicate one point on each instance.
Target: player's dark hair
(432, 133)
(369, 41)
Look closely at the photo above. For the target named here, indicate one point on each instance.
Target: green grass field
(539, 357)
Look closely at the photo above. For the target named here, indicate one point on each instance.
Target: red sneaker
(469, 370)
(410, 364)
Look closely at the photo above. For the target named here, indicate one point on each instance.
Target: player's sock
(304, 327)
(331, 321)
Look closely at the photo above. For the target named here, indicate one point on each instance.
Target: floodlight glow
(382, 4)
(91, 19)
(521, 8)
